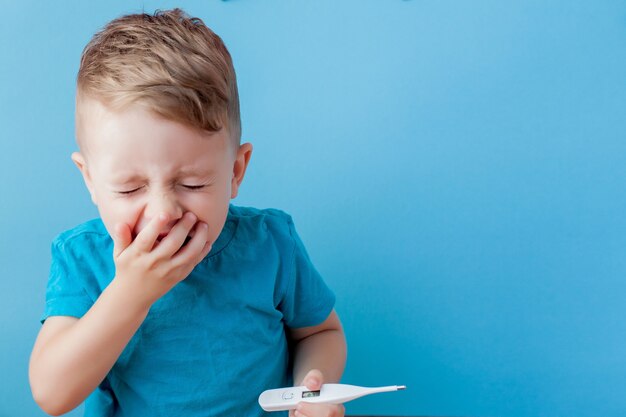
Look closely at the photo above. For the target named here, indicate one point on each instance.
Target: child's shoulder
(262, 221)
(91, 230)
(271, 215)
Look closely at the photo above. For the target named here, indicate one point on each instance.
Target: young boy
(174, 302)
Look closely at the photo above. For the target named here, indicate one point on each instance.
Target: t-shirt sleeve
(308, 300)
(64, 295)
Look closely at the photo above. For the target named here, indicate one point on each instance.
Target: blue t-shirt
(216, 340)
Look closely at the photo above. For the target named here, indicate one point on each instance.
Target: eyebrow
(129, 178)
(125, 179)
(193, 172)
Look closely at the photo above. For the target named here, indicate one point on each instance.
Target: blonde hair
(170, 62)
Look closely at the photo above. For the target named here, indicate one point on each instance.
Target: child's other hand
(152, 267)
(313, 381)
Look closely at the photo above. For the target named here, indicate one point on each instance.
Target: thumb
(313, 380)
(122, 238)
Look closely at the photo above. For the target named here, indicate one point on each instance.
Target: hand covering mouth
(187, 238)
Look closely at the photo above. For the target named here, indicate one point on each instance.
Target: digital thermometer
(287, 398)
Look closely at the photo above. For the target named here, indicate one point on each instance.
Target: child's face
(137, 165)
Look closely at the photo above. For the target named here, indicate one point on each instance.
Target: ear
(79, 160)
(239, 168)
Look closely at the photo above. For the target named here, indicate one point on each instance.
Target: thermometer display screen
(309, 394)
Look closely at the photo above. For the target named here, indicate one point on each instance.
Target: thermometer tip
(401, 387)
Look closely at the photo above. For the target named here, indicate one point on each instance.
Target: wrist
(130, 297)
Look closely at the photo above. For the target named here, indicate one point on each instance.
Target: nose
(163, 202)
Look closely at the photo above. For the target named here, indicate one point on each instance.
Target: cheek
(217, 224)
(115, 212)
(213, 212)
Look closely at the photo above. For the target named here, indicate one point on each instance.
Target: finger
(197, 247)
(206, 250)
(177, 235)
(313, 380)
(147, 237)
(122, 238)
(194, 260)
(305, 409)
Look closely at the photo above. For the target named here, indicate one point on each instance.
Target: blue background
(456, 169)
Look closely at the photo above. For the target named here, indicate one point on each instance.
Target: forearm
(81, 355)
(325, 351)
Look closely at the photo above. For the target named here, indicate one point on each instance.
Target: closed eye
(128, 192)
(194, 187)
